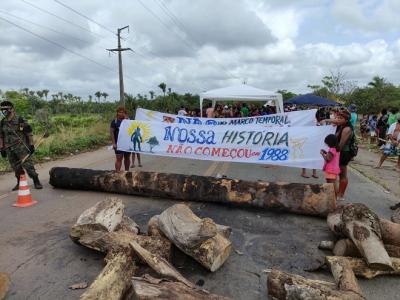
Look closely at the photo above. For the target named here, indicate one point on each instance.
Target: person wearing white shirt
(182, 111)
(392, 144)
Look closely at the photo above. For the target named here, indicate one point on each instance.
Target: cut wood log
(127, 224)
(326, 245)
(344, 276)
(160, 265)
(282, 285)
(119, 242)
(361, 269)
(308, 199)
(148, 288)
(390, 232)
(105, 215)
(345, 247)
(113, 281)
(4, 285)
(105, 228)
(360, 224)
(196, 237)
(396, 216)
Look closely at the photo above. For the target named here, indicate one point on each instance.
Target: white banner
(295, 118)
(286, 146)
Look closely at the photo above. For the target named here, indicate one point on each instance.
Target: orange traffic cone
(24, 194)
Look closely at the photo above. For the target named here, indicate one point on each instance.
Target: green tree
(286, 95)
(45, 93)
(105, 95)
(153, 142)
(163, 87)
(151, 95)
(98, 94)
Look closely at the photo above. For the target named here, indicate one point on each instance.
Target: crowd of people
(237, 110)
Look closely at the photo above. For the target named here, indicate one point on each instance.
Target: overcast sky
(194, 46)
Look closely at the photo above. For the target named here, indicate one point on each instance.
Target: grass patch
(73, 136)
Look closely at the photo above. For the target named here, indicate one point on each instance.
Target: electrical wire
(69, 50)
(60, 18)
(86, 17)
(42, 26)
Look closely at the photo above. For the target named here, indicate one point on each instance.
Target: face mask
(5, 112)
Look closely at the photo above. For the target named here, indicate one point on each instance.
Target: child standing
(331, 167)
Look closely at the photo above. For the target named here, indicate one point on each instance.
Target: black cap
(6, 104)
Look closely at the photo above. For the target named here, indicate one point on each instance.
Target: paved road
(43, 262)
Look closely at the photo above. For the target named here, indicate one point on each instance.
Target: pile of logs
(105, 228)
(367, 247)
(307, 199)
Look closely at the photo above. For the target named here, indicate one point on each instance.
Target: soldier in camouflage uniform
(16, 143)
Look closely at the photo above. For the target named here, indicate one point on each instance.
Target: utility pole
(121, 77)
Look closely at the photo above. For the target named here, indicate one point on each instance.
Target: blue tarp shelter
(311, 99)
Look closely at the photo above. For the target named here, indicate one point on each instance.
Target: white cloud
(232, 40)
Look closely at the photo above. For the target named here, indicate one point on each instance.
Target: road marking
(4, 195)
(211, 168)
(225, 168)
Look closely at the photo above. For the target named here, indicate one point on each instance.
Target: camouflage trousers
(15, 155)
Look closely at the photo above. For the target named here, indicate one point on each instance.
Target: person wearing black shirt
(114, 130)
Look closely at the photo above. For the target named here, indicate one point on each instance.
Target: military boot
(37, 183)
(16, 187)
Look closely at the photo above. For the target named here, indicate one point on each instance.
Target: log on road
(146, 288)
(282, 286)
(345, 247)
(361, 268)
(114, 281)
(105, 228)
(308, 199)
(198, 238)
(357, 222)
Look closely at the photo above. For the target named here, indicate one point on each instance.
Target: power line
(42, 26)
(69, 50)
(165, 25)
(84, 16)
(61, 18)
(183, 28)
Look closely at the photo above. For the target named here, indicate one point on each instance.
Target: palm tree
(163, 87)
(105, 95)
(169, 91)
(25, 91)
(45, 93)
(98, 94)
(378, 84)
(40, 94)
(151, 95)
(90, 98)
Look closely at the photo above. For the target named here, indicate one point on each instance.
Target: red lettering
(170, 149)
(233, 153)
(198, 150)
(240, 153)
(225, 152)
(215, 151)
(206, 151)
(188, 150)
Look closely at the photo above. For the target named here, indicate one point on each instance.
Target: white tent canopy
(241, 92)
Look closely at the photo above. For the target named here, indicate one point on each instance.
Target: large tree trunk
(345, 247)
(308, 199)
(361, 269)
(114, 280)
(198, 238)
(362, 226)
(148, 288)
(390, 232)
(282, 286)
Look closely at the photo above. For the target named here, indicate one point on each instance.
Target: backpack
(353, 145)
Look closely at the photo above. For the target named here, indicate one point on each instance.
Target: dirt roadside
(387, 176)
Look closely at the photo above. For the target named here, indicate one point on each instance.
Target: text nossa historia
(183, 135)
